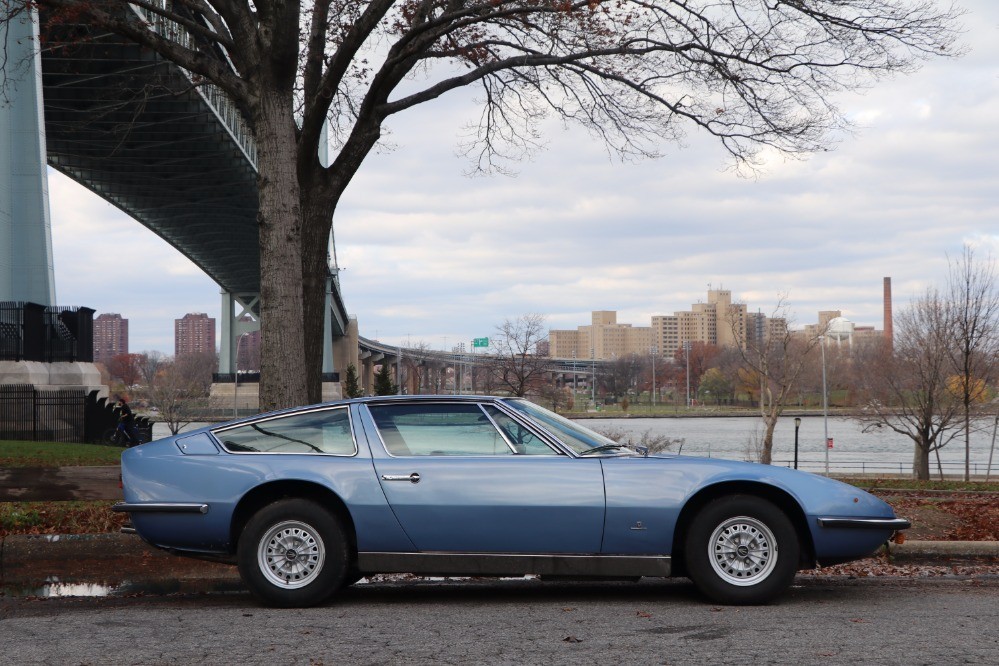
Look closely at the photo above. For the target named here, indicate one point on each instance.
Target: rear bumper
(160, 507)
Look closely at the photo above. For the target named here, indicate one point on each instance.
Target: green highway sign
(480, 342)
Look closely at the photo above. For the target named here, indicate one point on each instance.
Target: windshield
(570, 433)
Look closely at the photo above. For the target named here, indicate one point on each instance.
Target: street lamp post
(653, 375)
(797, 424)
(686, 353)
(825, 402)
(593, 379)
(574, 385)
(235, 386)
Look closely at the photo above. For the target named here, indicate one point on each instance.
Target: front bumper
(868, 523)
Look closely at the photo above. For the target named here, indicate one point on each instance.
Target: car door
(457, 484)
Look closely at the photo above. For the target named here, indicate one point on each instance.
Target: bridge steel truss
(172, 152)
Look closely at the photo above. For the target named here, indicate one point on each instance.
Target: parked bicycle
(118, 436)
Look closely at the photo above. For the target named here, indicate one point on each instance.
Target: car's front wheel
(741, 549)
(293, 553)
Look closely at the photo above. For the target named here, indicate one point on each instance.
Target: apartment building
(604, 339)
(717, 321)
(110, 336)
(194, 334)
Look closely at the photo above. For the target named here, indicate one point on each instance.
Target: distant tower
(889, 332)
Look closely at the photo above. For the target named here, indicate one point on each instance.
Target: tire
(293, 554)
(741, 550)
(110, 437)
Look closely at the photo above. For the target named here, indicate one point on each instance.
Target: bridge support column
(344, 350)
(234, 308)
(26, 267)
(367, 370)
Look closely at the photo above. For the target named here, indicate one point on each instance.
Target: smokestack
(889, 333)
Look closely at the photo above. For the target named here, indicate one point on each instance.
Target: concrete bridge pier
(369, 360)
(344, 350)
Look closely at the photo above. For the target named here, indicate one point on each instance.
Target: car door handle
(412, 478)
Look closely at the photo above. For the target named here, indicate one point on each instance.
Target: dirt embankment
(947, 516)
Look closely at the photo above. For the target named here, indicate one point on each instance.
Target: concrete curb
(943, 549)
(18, 550)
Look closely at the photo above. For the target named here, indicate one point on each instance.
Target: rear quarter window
(321, 432)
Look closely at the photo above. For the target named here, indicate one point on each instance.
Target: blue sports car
(309, 500)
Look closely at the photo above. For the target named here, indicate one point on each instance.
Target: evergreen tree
(351, 387)
(383, 382)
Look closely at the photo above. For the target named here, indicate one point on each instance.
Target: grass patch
(82, 517)
(56, 454)
(913, 484)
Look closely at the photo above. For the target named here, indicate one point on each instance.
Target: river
(735, 438)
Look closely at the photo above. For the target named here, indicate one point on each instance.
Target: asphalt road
(834, 620)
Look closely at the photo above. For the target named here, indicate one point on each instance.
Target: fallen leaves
(948, 516)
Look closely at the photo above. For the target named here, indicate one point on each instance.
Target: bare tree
(775, 363)
(906, 381)
(635, 73)
(152, 362)
(517, 367)
(181, 389)
(973, 304)
(555, 395)
(623, 374)
(696, 356)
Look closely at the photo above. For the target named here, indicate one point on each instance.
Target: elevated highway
(374, 353)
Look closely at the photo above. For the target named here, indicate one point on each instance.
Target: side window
(438, 430)
(325, 431)
(524, 441)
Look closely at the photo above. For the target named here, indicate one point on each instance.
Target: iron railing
(32, 332)
(27, 413)
(949, 468)
(254, 377)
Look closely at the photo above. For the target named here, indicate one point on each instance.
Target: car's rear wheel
(741, 549)
(293, 553)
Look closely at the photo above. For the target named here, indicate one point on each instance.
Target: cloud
(430, 253)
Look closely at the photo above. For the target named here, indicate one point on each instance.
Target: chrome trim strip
(501, 564)
(878, 523)
(160, 507)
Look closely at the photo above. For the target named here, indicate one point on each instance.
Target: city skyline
(430, 255)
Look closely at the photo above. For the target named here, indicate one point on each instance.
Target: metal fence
(944, 469)
(254, 377)
(33, 332)
(54, 416)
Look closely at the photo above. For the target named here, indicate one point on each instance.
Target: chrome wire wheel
(742, 551)
(291, 554)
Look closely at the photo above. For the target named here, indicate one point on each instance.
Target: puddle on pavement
(52, 588)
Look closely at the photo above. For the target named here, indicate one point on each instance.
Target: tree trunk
(922, 461)
(282, 355)
(766, 455)
(317, 216)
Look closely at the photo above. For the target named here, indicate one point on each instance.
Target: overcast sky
(430, 255)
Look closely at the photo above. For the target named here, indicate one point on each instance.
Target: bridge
(465, 365)
(173, 153)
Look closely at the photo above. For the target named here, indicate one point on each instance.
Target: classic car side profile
(307, 501)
